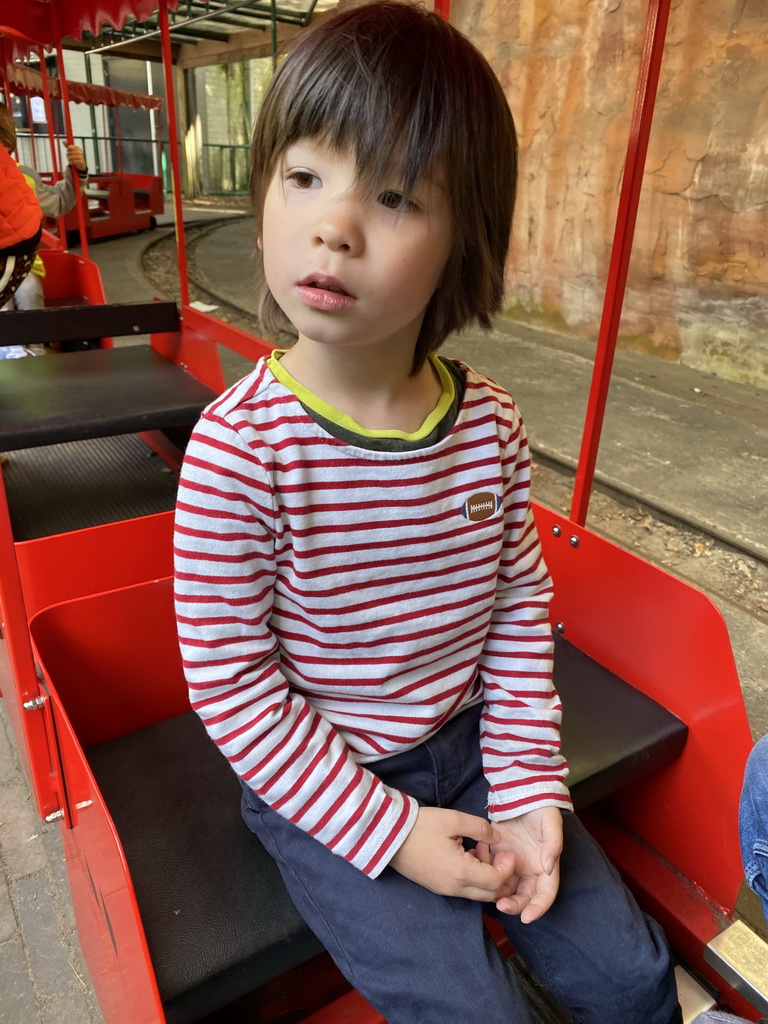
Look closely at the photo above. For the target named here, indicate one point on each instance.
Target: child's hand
(433, 856)
(532, 844)
(76, 158)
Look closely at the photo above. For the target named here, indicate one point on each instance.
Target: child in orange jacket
(20, 226)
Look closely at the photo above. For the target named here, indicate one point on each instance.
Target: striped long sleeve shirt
(338, 604)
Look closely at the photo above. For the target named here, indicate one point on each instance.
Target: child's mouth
(326, 284)
(325, 293)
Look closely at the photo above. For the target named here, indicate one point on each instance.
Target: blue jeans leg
(417, 957)
(420, 958)
(598, 954)
(753, 821)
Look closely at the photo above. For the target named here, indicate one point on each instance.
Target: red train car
(157, 856)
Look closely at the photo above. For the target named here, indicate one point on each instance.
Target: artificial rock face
(698, 281)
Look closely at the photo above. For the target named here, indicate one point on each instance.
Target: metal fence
(225, 168)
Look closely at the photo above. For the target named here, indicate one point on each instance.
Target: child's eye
(397, 201)
(303, 179)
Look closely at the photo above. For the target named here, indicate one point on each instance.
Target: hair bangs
(7, 129)
(410, 97)
(363, 92)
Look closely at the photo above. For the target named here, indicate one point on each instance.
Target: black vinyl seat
(98, 393)
(72, 420)
(217, 917)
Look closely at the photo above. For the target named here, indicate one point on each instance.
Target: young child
(55, 201)
(20, 227)
(361, 597)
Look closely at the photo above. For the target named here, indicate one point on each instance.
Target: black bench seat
(97, 393)
(76, 485)
(74, 322)
(217, 917)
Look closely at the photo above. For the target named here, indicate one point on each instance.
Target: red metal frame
(640, 129)
(70, 276)
(173, 143)
(51, 135)
(68, 122)
(19, 680)
(669, 640)
(123, 210)
(77, 591)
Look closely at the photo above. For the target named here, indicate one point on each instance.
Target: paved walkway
(689, 444)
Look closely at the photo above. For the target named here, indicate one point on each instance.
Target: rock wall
(698, 282)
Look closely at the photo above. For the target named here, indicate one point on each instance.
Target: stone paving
(43, 979)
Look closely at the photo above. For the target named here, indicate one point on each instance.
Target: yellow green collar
(317, 405)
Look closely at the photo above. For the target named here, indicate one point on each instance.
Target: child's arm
(520, 735)
(58, 199)
(227, 544)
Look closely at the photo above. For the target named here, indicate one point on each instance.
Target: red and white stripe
(335, 607)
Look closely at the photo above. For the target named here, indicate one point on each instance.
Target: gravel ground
(159, 263)
(724, 573)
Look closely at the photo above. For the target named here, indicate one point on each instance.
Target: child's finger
(483, 853)
(469, 826)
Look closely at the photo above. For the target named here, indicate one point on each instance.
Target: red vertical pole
(443, 8)
(173, 145)
(626, 217)
(68, 123)
(31, 133)
(48, 111)
(107, 150)
(51, 139)
(119, 140)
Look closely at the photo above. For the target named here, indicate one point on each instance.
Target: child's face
(348, 269)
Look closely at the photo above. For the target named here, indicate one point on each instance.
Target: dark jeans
(420, 958)
(753, 821)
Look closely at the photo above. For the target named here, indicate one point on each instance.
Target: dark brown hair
(7, 129)
(401, 87)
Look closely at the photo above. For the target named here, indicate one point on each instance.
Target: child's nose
(339, 229)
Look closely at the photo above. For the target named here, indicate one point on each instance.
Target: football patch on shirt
(481, 506)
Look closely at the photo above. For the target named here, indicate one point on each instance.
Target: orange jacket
(20, 213)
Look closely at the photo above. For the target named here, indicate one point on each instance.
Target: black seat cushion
(217, 917)
(98, 393)
(612, 733)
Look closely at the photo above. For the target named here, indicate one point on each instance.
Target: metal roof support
(63, 85)
(621, 250)
(177, 28)
(173, 139)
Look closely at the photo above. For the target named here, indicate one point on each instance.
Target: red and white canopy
(25, 81)
(45, 22)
